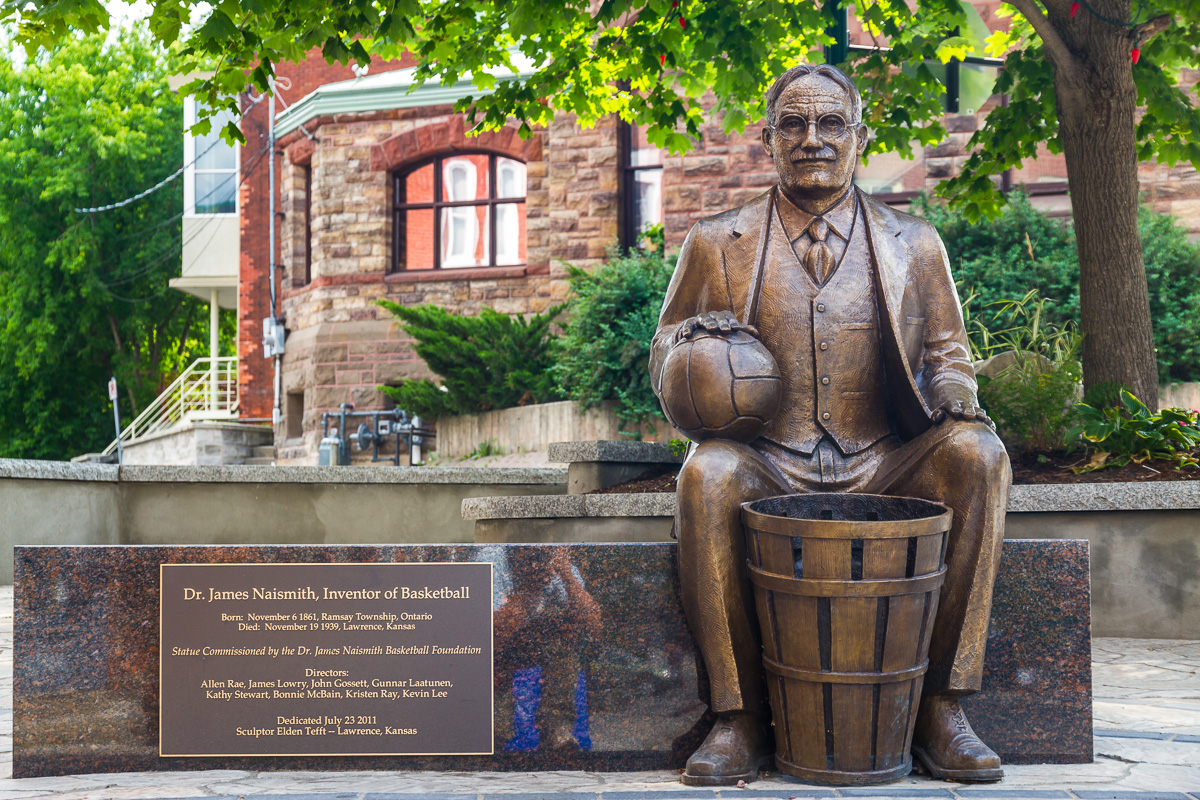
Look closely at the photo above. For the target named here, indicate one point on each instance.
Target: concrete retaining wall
(1179, 395)
(205, 443)
(535, 428)
(60, 503)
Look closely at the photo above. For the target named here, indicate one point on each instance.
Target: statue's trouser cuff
(960, 464)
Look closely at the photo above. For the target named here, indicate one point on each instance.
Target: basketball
(721, 386)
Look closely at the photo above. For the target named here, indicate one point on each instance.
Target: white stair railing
(206, 390)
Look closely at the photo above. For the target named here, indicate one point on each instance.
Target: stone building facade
(338, 236)
(341, 242)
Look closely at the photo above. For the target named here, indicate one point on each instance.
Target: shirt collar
(796, 220)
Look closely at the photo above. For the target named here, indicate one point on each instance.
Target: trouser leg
(717, 597)
(967, 469)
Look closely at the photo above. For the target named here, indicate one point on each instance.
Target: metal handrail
(207, 389)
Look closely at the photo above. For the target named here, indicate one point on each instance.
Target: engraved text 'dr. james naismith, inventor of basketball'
(856, 304)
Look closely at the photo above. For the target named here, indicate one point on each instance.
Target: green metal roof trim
(378, 93)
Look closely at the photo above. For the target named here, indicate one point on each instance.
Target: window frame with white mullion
(191, 160)
(493, 200)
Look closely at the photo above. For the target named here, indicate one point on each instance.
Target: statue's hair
(827, 70)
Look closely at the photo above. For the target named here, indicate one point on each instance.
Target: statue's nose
(811, 140)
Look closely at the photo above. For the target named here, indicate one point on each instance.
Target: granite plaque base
(594, 666)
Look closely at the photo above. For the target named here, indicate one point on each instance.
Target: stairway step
(258, 461)
(267, 451)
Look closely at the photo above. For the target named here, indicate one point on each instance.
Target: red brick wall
(255, 373)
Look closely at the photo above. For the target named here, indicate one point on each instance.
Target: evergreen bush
(605, 347)
(486, 362)
(1025, 250)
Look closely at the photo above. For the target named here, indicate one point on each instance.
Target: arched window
(461, 210)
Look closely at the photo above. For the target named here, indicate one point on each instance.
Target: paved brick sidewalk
(1147, 712)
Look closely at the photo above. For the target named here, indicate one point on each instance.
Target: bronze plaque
(325, 659)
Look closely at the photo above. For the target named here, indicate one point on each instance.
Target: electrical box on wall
(274, 336)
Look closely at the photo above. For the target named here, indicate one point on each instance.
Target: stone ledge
(1155, 496)
(612, 451)
(1149, 496)
(655, 504)
(201, 425)
(67, 471)
(57, 470)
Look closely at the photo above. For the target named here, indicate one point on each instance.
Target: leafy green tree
(85, 296)
(1076, 74)
(1023, 249)
(486, 362)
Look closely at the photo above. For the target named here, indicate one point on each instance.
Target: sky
(122, 15)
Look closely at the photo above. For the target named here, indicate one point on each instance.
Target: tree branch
(1056, 48)
(112, 323)
(1151, 28)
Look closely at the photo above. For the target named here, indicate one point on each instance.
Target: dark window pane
(418, 238)
(641, 152)
(215, 192)
(418, 186)
(510, 233)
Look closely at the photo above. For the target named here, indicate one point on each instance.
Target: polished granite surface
(1036, 703)
(594, 666)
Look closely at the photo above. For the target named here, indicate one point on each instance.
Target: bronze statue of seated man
(856, 304)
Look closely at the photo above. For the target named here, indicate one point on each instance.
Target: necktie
(818, 259)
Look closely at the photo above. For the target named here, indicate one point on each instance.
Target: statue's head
(814, 130)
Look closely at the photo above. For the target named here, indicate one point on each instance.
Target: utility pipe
(277, 410)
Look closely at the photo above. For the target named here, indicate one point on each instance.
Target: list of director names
(326, 659)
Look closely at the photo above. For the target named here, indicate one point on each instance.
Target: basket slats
(846, 621)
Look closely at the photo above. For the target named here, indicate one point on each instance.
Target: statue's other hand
(957, 409)
(712, 322)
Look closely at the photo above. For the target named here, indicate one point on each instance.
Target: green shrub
(605, 346)
(486, 362)
(1173, 275)
(1025, 250)
(1031, 399)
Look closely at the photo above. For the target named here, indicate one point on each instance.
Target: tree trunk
(1097, 101)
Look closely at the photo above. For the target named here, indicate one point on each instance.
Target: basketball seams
(718, 365)
(688, 372)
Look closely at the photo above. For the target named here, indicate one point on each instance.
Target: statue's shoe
(948, 748)
(736, 748)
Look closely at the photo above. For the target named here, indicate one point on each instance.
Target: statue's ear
(864, 136)
(766, 141)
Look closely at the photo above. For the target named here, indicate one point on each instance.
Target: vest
(826, 341)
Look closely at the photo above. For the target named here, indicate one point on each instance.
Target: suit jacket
(923, 338)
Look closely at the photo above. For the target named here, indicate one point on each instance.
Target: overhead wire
(150, 191)
(179, 215)
(246, 172)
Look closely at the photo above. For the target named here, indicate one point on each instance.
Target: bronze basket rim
(846, 529)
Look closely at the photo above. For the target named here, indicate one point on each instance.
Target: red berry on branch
(1135, 54)
(682, 22)
(1074, 9)
(662, 60)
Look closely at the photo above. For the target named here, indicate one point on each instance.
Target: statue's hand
(712, 322)
(957, 409)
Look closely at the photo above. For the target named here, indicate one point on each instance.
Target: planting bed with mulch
(1028, 468)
